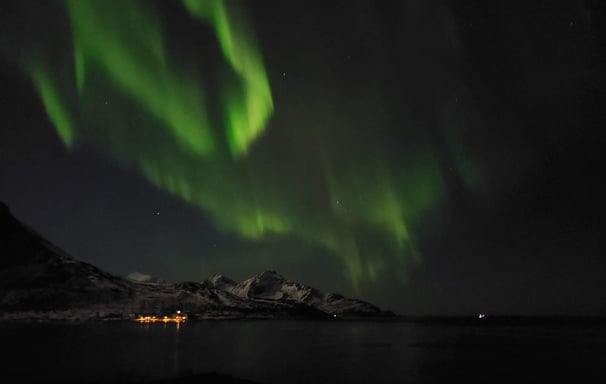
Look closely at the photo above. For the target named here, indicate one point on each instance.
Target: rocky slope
(40, 281)
(270, 285)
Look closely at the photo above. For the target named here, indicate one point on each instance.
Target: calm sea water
(302, 352)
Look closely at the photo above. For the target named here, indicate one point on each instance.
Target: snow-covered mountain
(270, 285)
(40, 281)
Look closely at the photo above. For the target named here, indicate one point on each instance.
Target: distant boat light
(481, 316)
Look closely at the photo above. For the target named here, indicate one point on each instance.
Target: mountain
(270, 285)
(36, 275)
(40, 281)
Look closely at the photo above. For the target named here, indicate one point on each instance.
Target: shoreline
(505, 320)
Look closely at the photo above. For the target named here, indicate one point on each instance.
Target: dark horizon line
(504, 319)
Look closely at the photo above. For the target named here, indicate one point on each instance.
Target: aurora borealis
(207, 159)
(357, 142)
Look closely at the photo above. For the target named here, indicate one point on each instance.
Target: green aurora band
(247, 112)
(124, 96)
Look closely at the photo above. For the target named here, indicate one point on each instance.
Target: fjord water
(302, 352)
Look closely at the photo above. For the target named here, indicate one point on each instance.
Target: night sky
(432, 157)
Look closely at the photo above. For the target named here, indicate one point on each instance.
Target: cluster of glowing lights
(177, 318)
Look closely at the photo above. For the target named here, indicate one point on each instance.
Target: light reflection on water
(298, 352)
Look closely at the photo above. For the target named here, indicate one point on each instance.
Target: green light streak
(55, 110)
(367, 198)
(247, 110)
(124, 41)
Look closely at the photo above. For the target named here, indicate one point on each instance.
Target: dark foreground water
(303, 352)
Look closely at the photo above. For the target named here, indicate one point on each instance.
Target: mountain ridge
(40, 281)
